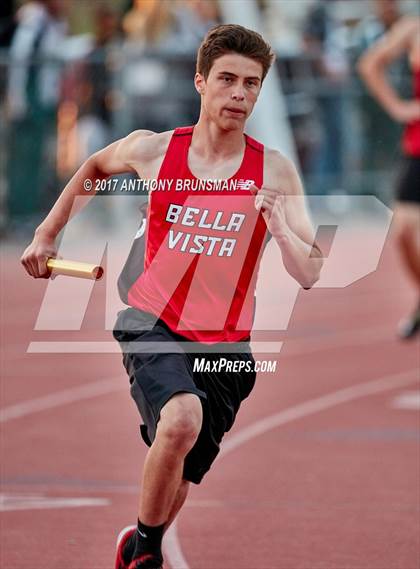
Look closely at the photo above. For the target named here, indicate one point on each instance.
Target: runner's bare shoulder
(279, 172)
(143, 148)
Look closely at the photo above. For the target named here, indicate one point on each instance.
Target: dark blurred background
(76, 75)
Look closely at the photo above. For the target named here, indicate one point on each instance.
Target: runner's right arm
(117, 158)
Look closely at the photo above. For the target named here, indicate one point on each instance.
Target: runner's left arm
(284, 209)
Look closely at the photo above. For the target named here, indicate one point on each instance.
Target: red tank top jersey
(203, 247)
(411, 137)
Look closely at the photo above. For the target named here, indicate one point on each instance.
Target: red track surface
(335, 489)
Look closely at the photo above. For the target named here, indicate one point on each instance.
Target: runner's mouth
(235, 112)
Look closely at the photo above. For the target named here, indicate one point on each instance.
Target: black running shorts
(408, 188)
(156, 377)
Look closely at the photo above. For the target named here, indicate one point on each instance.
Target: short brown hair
(228, 38)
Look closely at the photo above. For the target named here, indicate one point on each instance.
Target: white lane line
(319, 404)
(295, 348)
(172, 544)
(12, 503)
(173, 548)
(71, 395)
(409, 400)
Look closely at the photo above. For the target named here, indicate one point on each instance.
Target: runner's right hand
(36, 255)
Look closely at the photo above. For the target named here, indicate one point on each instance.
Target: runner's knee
(180, 420)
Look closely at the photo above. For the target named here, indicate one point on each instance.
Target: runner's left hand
(272, 204)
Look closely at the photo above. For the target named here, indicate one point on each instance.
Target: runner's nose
(238, 95)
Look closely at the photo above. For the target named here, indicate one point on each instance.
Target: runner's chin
(232, 121)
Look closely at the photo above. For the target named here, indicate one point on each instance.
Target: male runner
(202, 253)
(402, 39)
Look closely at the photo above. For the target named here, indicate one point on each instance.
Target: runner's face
(230, 91)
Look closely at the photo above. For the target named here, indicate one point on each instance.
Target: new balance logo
(244, 184)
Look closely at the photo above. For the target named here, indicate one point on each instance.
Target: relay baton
(75, 269)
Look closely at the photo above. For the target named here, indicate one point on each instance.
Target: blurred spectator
(86, 110)
(195, 18)
(384, 14)
(321, 36)
(378, 132)
(7, 28)
(149, 22)
(89, 84)
(150, 29)
(177, 25)
(32, 96)
(41, 27)
(7, 22)
(174, 30)
(283, 22)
